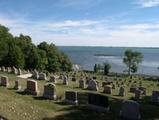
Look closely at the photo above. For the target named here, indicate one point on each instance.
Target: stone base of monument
(71, 102)
(50, 97)
(6, 85)
(32, 92)
(98, 108)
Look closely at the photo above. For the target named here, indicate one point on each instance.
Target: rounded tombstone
(130, 110)
(81, 83)
(92, 85)
(50, 91)
(107, 89)
(53, 79)
(122, 91)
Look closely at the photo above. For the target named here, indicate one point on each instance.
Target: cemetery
(76, 96)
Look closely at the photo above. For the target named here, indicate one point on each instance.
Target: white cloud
(86, 32)
(148, 3)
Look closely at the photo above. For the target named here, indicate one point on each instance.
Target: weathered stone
(50, 91)
(130, 110)
(92, 85)
(81, 83)
(4, 81)
(35, 74)
(14, 71)
(122, 91)
(42, 76)
(155, 96)
(3, 69)
(98, 102)
(107, 89)
(19, 71)
(133, 89)
(17, 85)
(53, 79)
(71, 97)
(65, 80)
(32, 87)
(82, 97)
(137, 94)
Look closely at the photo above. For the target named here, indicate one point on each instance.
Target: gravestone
(19, 71)
(142, 90)
(71, 97)
(14, 70)
(32, 87)
(122, 91)
(8, 69)
(155, 96)
(53, 79)
(137, 94)
(113, 86)
(133, 89)
(107, 89)
(82, 98)
(74, 78)
(130, 110)
(98, 102)
(17, 85)
(35, 74)
(65, 80)
(3, 69)
(92, 85)
(4, 81)
(42, 76)
(50, 91)
(81, 83)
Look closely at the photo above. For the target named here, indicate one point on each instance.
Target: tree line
(20, 52)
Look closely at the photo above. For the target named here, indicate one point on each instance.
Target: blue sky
(84, 22)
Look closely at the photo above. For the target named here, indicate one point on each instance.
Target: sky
(128, 23)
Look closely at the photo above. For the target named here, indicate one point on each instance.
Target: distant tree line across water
(20, 52)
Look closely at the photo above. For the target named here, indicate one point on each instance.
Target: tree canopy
(20, 52)
(132, 59)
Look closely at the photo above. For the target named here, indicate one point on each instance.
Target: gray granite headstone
(4, 81)
(50, 91)
(130, 110)
(92, 85)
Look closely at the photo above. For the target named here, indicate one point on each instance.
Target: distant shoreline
(110, 47)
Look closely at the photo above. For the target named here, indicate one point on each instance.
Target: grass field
(16, 106)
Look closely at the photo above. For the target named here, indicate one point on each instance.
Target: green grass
(16, 106)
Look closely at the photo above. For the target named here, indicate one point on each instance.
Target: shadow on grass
(81, 113)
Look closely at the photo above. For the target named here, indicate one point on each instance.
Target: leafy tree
(107, 68)
(14, 56)
(20, 52)
(132, 59)
(97, 68)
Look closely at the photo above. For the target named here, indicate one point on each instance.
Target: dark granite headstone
(82, 97)
(130, 110)
(71, 97)
(98, 102)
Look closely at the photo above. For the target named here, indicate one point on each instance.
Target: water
(85, 56)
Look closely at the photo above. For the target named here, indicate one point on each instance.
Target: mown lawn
(18, 106)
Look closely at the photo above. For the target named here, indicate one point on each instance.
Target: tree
(20, 52)
(107, 68)
(14, 56)
(97, 68)
(132, 59)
